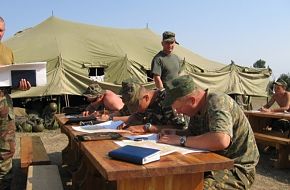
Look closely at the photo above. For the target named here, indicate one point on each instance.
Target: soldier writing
(219, 125)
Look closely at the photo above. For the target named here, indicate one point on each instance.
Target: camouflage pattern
(280, 82)
(7, 140)
(222, 114)
(168, 36)
(178, 88)
(93, 91)
(130, 93)
(48, 117)
(160, 115)
(166, 66)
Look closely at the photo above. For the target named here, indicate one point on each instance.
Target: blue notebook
(135, 154)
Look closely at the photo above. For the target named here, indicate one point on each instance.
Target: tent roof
(93, 44)
(69, 48)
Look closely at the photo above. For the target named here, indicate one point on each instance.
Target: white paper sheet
(108, 126)
(39, 67)
(164, 148)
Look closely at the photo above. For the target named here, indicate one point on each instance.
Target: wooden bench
(32, 152)
(280, 143)
(43, 177)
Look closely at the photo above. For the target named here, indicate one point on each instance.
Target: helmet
(53, 106)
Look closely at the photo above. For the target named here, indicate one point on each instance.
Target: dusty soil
(267, 178)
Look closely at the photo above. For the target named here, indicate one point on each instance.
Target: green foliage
(260, 64)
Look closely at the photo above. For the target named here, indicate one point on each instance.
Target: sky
(220, 30)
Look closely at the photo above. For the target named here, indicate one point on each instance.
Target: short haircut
(1, 19)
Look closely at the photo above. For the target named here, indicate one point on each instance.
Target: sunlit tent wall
(70, 49)
(233, 79)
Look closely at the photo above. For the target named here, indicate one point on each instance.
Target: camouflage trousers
(7, 139)
(228, 180)
(5, 174)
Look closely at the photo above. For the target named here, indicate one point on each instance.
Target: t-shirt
(166, 66)
(6, 55)
(222, 114)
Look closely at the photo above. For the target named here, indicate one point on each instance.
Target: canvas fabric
(71, 48)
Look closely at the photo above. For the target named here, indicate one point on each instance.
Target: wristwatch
(147, 127)
(182, 140)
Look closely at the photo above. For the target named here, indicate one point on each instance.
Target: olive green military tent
(70, 49)
(233, 79)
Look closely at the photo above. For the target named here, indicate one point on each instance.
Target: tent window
(97, 73)
(149, 76)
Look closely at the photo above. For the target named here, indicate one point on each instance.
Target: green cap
(130, 92)
(169, 37)
(93, 91)
(280, 82)
(177, 88)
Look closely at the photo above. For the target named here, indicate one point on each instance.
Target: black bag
(282, 126)
(98, 136)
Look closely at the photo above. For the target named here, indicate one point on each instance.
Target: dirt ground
(267, 178)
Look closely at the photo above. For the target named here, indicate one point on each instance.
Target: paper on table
(39, 67)
(164, 148)
(152, 137)
(108, 126)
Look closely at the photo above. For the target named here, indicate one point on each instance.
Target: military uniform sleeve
(156, 66)
(219, 115)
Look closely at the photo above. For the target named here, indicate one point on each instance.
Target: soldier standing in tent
(165, 65)
(7, 119)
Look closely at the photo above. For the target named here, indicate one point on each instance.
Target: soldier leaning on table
(219, 125)
(282, 98)
(146, 108)
(7, 122)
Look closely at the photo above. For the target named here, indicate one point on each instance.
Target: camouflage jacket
(222, 114)
(159, 115)
(7, 126)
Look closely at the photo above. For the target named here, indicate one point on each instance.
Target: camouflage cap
(130, 93)
(177, 88)
(169, 37)
(93, 91)
(280, 82)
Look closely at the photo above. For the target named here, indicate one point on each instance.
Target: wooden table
(173, 171)
(259, 122)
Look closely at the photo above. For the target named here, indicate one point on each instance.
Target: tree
(260, 64)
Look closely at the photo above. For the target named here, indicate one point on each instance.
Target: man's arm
(212, 141)
(158, 82)
(266, 107)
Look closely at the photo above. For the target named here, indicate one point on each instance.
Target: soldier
(7, 118)
(165, 64)
(219, 125)
(146, 108)
(101, 99)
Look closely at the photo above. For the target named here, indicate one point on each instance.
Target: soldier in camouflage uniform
(146, 108)
(7, 122)
(219, 125)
